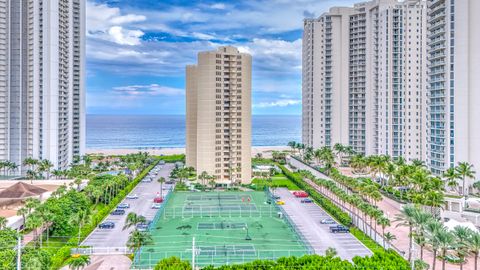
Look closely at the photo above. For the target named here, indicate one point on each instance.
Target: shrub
(172, 263)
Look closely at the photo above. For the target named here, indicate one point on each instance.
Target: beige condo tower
(218, 115)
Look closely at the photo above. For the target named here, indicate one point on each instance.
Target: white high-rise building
(218, 115)
(454, 83)
(364, 78)
(42, 63)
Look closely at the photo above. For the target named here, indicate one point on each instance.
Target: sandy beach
(266, 151)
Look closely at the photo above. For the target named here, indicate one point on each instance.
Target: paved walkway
(307, 217)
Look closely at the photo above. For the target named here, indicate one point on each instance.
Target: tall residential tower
(454, 83)
(218, 112)
(42, 61)
(364, 78)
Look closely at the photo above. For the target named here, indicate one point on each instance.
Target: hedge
(324, 202)
(385, 260)
(63, 253)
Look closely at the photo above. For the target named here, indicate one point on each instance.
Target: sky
(137, 50)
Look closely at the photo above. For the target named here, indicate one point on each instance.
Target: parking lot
(146, 192)
(307, 217)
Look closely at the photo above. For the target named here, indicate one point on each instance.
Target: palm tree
(31, 174)
(31, 204)
(138, 239)
(434, 199)
(45, 166)
(80, 218)
(57, 173)
(32, 223)
(133, 219)
(389, 237)
(474, 245)
(23, 212)
(78, 182)
(432, 237)
(465, 170)
(31, 162)
(212, 182)
(47, 216)
(339, 150)
(330, 252)
(451, 176)
(3, 223)
(407, 218)
(462, 234)
(446, 240)
(292, 145)
(383, 222)
(77, 263)
(161, 180)
(421, 220)
(203, 177)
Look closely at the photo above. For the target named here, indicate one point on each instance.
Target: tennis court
(228, 227)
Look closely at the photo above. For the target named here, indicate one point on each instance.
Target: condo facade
(364, 78)
(218, 115)
(42, 97)
(454, 83)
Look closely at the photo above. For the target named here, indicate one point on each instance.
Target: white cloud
(108, 23)
(203, 36)
(148, 90)
(278, 103)
(125, 37)
(218, 6)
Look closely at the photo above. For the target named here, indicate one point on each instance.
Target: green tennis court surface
(221, 223)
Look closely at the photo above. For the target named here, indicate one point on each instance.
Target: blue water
(134, 131)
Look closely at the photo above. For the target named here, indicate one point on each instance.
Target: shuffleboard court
(228, 227)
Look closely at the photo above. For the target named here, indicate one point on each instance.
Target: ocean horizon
(168, 131)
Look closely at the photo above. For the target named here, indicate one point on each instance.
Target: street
(146, 191)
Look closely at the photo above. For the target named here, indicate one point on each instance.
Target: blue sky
(137, 50)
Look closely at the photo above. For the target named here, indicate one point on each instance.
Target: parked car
(106, 225)
(123, 205)
(161, 162)
(158, 200)
(327, 221)
(276, 197)
(132, 196)
(156, 205)
(118, 212)
(300, 194)
(306, 200)
(339, 229)
(142, 227)
(147, 180)
(280, 202)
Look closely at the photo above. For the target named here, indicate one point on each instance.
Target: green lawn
(278, 180)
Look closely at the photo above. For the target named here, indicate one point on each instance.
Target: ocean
(168, 131)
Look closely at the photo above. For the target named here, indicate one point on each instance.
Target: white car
(123, 205)
(132, 196)
(156, 205)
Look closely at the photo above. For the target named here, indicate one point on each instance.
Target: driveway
(307, 218)
(146, 191)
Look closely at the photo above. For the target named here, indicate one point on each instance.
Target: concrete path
(307, 218)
